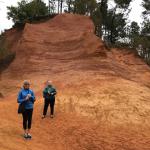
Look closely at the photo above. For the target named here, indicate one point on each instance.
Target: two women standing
(26, 99)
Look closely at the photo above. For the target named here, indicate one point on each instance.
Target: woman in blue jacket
(27, 97)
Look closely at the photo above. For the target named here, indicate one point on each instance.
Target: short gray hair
(25, 82)
(49, 82)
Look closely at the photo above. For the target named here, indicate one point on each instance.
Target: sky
(135, 15)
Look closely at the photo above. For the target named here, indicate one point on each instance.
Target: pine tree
(134, 34)
(26, 12)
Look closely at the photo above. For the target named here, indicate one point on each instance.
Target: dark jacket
(49, 92)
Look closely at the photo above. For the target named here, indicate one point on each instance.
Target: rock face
(66, 37)
(109, 88)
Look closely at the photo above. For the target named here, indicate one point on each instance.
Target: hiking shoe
(25, 135)
(43, 117)
(52, 116)
(29, 136)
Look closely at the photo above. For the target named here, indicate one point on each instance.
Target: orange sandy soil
(103, 100)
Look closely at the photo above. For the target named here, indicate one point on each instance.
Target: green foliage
(135, 28)
(68, 2)
(103, 10)
(51, 7)
(115, 24)
(26, 12)
(84, 6)
(134, 34)
(80, 7)
(146, 28)
(113, 21)
(142, 40)
(145, 33)
(97, 16)
(146, 5)
(123, 3)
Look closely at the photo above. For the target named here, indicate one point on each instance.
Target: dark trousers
(27, 118)
(48, 102)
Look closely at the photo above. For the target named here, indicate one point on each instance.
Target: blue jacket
(22, 95)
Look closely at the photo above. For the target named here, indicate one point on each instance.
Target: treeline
(111, 22)
(110, 18)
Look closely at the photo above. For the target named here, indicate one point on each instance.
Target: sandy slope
(103, 100)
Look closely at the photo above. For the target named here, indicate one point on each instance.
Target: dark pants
(27, 119)
(48, 102)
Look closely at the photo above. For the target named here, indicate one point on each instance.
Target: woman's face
(49, 85)
(26, 86)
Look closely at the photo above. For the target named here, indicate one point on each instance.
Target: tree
(51, 6)
(84, 7)
(146, 5)
(134, 34)
(97, 19)
(146, 22)
(123, 4)
(145, 34)
(26, 12)
(135, 28)
(90, 7)
(103, 10)
(111, 22)
(69, 4)
(146, 28)
(58, 6)
(115, 26)
(61, 5)
(80, 7)
(115, 21)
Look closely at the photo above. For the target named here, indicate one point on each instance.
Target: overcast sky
(135, 14)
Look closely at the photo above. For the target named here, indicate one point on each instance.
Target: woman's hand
(27, 98)
(29, 95)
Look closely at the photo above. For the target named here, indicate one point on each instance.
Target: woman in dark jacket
(27, 97)
(49, 99)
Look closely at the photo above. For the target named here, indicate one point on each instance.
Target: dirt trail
(103, 100)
